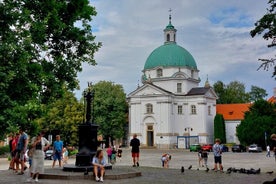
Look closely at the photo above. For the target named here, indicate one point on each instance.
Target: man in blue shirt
(21, 149)
(58, 147)
(217, 155)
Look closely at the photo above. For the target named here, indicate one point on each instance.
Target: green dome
(170, 55)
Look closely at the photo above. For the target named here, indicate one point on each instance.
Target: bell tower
(170, 31)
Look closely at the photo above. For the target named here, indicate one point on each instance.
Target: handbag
(31, 152)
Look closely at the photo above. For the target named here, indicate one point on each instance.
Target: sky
(215, 32)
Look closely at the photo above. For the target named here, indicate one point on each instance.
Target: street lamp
(188, 129)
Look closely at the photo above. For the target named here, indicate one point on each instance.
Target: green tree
(63, 117)
(219, 128)
(234, 92)
(110, 109)
(257, 93)
(43, 46)
(260, 119)
(219, 88)
(267, 26)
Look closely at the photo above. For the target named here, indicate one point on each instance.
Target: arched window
(168, 37)
(149, 109)
(159, 72)
(193, 109)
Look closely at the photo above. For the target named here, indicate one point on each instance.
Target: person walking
(99, 163)
(120, 152)
(21, 150)
(273, 144)
(65, 155)
(200, 159)
(39, 144)
(58, 147)
(217, 155)
(267, 151)
(135, 151)
(109, 153)
(204, 156)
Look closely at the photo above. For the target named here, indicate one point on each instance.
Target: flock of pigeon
(241, 170)
(234, 170)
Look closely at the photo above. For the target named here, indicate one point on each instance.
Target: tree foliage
(257, 93)
(219, 128)
(110, 109)
(235, 92)
(258, 121)
(267, 26)
(63, 117)
(43, 44)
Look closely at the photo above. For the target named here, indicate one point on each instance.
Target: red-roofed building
(273, 98)
(232, 114)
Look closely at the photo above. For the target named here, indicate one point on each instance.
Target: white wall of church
(167, 123)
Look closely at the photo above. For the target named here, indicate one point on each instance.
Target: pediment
(148, 90)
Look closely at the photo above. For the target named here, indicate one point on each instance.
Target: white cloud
(223, 49)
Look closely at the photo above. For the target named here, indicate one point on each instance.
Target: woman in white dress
(39, 144)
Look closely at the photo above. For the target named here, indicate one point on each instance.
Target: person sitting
(99, 163)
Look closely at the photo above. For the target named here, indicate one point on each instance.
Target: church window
(168, 37)
(180, 109)
(174, 37)
(209, 110)
(149, 108)
(192, 73)
(159, 72)
(179, 88)
(193, 109)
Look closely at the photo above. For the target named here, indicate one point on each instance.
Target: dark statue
(87, 133)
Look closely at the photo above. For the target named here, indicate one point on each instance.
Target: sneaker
(97, 179)
(134, 165)
(36, 179)
(137, 164)
(30, 180)
(101, 179)
(20, 173)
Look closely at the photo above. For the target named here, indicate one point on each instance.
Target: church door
(150, 135)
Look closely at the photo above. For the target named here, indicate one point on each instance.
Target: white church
(170, 109)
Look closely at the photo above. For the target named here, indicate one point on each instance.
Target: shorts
(135, 154)
(58, 156)
(20, 155)
(218, 160)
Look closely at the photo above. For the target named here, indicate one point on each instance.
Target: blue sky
(215, 32)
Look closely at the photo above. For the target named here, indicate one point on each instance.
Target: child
(120, 151)
(165, 160)
(113, 155)
(65, 156)
(204, 156)
(109, 153)
(200, 158)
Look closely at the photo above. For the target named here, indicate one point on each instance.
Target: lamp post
(188, 129)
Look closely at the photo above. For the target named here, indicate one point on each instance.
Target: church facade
(170, 109)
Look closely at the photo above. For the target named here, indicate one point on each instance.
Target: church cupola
(170, 32)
